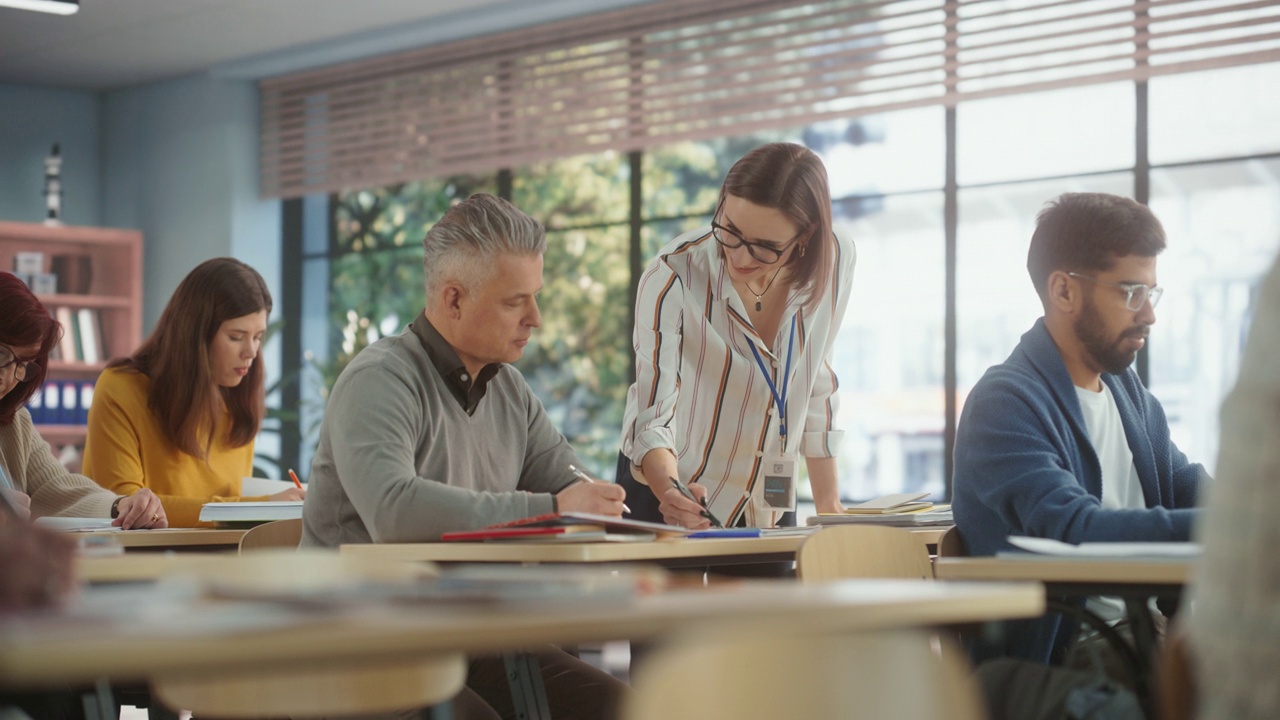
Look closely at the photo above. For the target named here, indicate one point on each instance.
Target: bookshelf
(105, 290)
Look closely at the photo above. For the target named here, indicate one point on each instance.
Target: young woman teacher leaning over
(733, 335)
(180, 415)
(32, 480)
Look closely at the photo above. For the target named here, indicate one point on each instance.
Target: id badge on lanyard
(778, 470)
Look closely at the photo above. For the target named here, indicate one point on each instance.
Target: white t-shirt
(1121, 488)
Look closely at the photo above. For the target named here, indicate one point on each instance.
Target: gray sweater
(410, 448)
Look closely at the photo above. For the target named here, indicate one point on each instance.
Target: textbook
(606, 522)
(251, 512)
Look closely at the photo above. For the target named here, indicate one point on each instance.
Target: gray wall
(32, 119)
(180, 165)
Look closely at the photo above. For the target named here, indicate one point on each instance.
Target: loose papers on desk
(935, 515)
(1104, 550)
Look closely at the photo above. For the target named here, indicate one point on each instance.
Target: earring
(802, 247)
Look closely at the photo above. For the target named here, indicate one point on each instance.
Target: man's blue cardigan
(1024, 465)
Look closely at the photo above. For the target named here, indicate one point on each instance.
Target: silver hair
(461, 246)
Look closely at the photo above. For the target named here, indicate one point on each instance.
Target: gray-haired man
(430, 430)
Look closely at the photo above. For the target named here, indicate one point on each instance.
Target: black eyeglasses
(21, 368)
(730, 240)
(1136, 294)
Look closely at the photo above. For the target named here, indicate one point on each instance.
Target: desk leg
(98, 704)
(1144, 646)
(528, 694)
(440, 711)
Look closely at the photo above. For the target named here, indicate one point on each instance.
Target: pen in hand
(706, 512)
(588, 479)
(294, 477)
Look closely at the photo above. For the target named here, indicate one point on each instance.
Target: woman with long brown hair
(734, 328)
(41, 486)
(180, 415)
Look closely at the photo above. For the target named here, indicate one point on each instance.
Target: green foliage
(579, 361)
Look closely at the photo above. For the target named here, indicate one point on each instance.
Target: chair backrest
(781, 674)
(1175, 696)
(364, 688)
(862, 551)
(272, 535)
(952, 544)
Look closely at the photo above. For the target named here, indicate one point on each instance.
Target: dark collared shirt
(450, 367)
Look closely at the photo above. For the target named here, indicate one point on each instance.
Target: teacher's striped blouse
(699, 390)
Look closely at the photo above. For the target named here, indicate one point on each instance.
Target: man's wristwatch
(115, 508)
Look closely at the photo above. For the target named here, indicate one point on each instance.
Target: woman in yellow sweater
(40, 486)
(180, 415)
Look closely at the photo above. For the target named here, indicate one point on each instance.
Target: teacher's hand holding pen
(589, 496)
(685, 505)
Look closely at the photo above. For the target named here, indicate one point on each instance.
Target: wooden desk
(670, 553)
(1134, 580)
(1073, 575)
(135, 567)
(38, 650)
(187, 539)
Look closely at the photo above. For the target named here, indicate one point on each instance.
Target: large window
(1213, 178)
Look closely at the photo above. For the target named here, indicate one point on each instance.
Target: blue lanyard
(781, 400)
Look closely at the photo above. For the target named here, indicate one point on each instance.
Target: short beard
(1105, 354)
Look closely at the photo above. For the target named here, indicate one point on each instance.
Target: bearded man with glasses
(1062, 440)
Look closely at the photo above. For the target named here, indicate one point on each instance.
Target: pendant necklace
(765, 290)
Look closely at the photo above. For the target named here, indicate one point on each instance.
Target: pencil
(587, 478)
(294, 477)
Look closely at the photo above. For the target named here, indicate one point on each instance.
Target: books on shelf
(62, 402)
(251, 512)
(82, 338)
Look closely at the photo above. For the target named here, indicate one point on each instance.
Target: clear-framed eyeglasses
(730, 240)
(1136, 294)
(21, 368)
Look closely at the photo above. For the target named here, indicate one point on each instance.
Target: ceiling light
(57, 7)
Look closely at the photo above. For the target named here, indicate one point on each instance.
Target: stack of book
(568, 527)
(904, 509)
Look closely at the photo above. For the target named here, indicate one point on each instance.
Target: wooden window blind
(695, 69)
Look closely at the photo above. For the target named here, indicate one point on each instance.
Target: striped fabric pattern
(699, 391)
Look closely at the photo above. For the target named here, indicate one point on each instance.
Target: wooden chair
(273, 535)
(862, 551)
(952, 544)
(746, 673)
(314, 690)
(1175, 691)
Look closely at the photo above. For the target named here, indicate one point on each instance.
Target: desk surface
(175, 538)
(672, 552)
(136, 567)
(1063, 570)
(35, 650)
